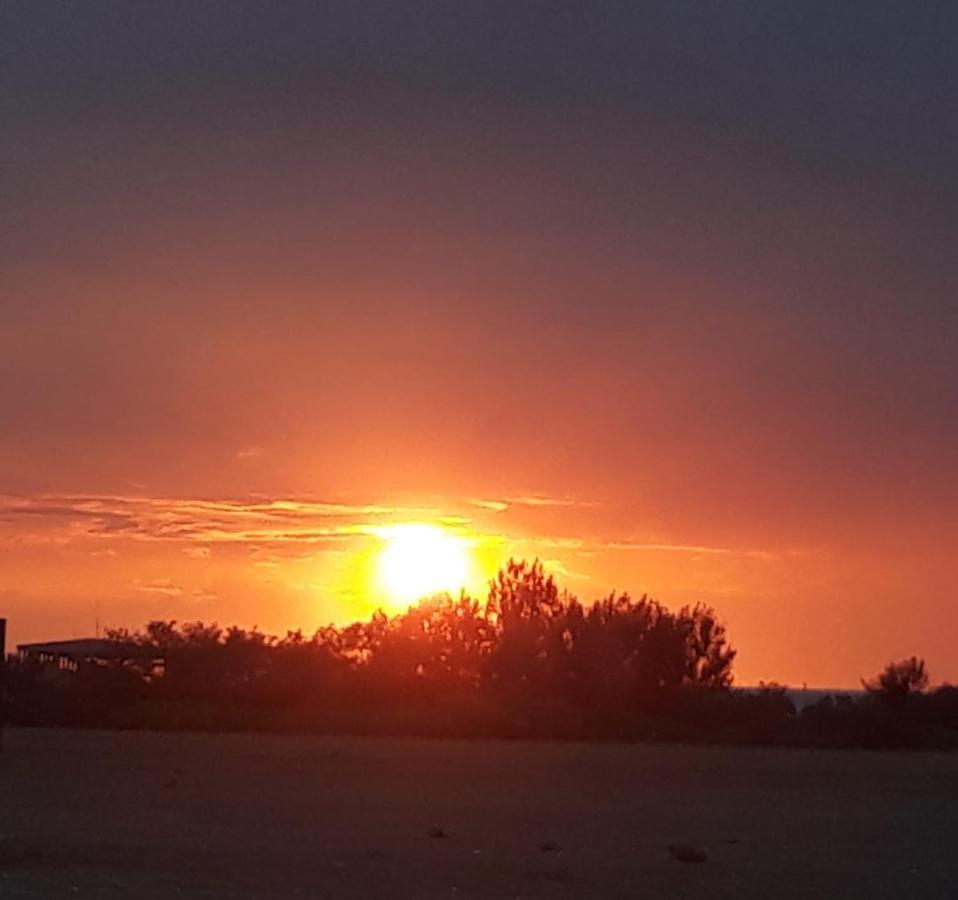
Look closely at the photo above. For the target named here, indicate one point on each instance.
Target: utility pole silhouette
(3, 676)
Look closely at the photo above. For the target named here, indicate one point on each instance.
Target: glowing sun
(419, 561)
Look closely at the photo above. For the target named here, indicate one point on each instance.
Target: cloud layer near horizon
(198, 523)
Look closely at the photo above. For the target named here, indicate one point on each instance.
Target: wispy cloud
(502, 504)
(585, 545)
(200, 552)
(695, 549)
(162, 586)
(273, 529)
(492, 505)
(203, 522)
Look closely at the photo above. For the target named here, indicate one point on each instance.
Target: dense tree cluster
(531, 660)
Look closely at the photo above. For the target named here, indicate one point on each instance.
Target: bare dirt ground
(91, 814)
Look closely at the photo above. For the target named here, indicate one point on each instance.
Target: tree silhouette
(525, 612)
(899, 679)
(529, 659)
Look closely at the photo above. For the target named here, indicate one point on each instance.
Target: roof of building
(88, 648)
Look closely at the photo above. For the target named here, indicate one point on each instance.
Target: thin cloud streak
(689, 548)
(586, 545)
(162, 586)
(535, 502)
(279, 524)
(204, 521)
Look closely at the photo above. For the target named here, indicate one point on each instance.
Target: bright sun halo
(419, 561)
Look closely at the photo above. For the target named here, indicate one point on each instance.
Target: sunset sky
(663, 294)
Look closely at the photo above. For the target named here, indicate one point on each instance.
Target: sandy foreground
(96, 814)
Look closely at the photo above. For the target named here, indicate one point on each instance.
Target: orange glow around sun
(419, 560)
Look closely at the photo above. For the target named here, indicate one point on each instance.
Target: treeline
(529, 661)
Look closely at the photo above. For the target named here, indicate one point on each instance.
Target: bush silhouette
(899, 679)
